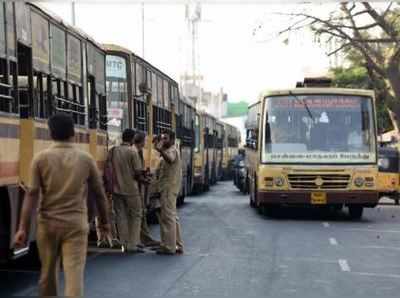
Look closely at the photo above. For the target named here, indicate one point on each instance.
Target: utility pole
(143, 30)
(73, 12)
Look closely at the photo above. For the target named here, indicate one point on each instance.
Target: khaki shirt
(61, 174)
(171, 173)
(127, 164)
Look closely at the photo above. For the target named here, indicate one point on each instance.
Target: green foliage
(357, 77)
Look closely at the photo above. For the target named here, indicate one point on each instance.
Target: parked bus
(45, 67)
(313, 146)
(389, 173)
(185, 139)
(204, 157)
(142, 97)
(231, 142)
(219, 150)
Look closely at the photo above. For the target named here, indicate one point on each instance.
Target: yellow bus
(185, 115)
(231, 142)
(204, 153)
(45, 67)
(142, 97)
(219, 150)
(313, 146)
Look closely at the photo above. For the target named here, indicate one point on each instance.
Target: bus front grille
(315, 181)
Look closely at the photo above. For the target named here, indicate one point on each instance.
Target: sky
(232, 55)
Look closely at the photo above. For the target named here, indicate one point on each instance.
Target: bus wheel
(356, 211)
(252, 196)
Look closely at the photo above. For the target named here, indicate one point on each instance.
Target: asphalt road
(232, 251)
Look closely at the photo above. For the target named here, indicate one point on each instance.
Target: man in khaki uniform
(170, 184)
(126, 193)
(60, 177)
(145, 234)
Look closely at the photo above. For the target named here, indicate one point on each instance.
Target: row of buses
(47, 66)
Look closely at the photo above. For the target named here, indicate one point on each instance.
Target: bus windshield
(324, 129)
(117, 97)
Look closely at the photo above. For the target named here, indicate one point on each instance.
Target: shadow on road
(311, 214)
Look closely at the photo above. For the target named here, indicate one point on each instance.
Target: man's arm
(30, 201)
(168, 155)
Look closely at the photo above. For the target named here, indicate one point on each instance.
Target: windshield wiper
(304, 103)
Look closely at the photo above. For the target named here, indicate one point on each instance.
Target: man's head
(61, 127)
(168, 138)
(128, 136)
(139, 140)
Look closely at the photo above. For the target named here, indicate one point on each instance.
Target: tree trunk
(393, 77)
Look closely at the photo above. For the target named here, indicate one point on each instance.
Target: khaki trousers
(145, 234)
(69, 244)
(128, 217)
(169, 222)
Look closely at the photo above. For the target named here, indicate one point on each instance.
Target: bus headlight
(383, 163)
(279, 181)
(359, 181)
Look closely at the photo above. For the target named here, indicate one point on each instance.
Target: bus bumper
(366, 198)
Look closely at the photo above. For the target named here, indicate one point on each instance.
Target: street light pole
(143, 29)
(73, 13)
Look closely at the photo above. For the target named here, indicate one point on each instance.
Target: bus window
(319, 128)
(117, 97)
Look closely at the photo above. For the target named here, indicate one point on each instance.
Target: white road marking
(380, 247)
(326, 224)
(383, 275)
(344, 265)
(372, 230)
(333, 241)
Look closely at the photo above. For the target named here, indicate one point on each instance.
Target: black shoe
(163, 251)
(135, 251)
(152, 244)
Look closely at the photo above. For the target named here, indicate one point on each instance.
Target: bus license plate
(318, 198)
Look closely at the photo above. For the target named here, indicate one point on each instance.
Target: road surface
(232, 251)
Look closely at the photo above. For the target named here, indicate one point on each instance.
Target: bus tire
(252, 197)
(356, 211)
(5, 222)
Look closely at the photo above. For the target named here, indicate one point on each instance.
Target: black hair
(139, 137)
(128, 135)
(61, 127)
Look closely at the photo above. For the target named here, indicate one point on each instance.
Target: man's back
(126, 163)
(62, 173)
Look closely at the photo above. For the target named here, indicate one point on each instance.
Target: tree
(372, 33)
(357, 76)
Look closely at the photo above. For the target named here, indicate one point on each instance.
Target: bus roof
(59, 21)
(116, 48)
(119, 49)
(339, 91)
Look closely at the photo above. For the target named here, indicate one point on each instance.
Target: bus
(231, 142)
(142, 97)
(46, 67)
(204, 153)
(219, 150)
(313, 146)
(185, 138)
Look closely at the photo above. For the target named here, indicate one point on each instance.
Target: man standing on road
(145, 235)
(170, 183)
(60, 177)
(126, 194)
